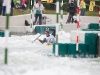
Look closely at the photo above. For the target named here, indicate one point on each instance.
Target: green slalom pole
(61, 14)
(34, 2)
(8, 4)
(31, 14)
(57, 21)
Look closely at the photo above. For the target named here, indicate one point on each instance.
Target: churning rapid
(27, 58)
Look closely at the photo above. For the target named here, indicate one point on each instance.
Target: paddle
(40, 35)
(36, 38)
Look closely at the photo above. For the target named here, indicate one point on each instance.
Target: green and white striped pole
(8, 6)
(34, 9)
(34, 2)
(61, 14)
(57, 21)
(31, 15)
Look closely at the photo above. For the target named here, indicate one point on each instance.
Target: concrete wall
(17, 22)
(24, 29)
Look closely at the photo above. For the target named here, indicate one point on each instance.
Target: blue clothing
(83, 12)
(4, 10)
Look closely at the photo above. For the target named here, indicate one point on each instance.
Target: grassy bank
(19, 12)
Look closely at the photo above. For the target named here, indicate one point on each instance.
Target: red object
(99, 8)
(99, 21)
(78, 10)
(77, 39)
(99, 14)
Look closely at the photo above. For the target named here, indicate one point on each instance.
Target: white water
(27, 58)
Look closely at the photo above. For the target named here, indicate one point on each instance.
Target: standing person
(70, 1)
(23, 5)
(4, 8)
(1, 6)
(82, 7)
(12, 6)
(38, 10)
(75, 1)
(71, 9)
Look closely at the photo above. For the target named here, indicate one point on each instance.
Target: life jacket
(50, 38)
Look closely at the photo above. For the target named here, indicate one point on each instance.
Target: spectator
(17, 4)
(71, 9)
(70, 1)
(1, 1)
(23, 5)
(82, 7)
(4, 8)
(12, 6)
(38, 10)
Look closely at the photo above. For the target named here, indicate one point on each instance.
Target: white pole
(57, 21)
(78, 24)
(8, 6)
(99, 16)
(31, 17)
(61, 14)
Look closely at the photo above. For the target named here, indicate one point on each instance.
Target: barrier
(2, 34)
(69, 50)
(62, 49)
(72, 52)
(94, 26)
(86, 49)
(83, 50)
(41, 29)
(91, 39)
(98, 45)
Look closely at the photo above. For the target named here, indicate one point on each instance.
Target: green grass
(19, 12)
(91, 13)
(53, 12)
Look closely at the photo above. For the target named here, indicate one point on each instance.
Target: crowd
(18, 4)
